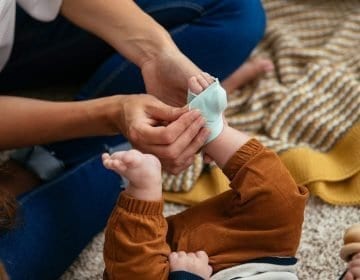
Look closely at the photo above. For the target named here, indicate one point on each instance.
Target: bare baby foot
(195, 263)
(142, 170)
(200, 82)
(247, 72)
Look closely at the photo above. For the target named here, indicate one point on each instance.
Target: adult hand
(174, 135)
(166, 76)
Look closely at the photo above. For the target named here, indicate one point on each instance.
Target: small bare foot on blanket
(195, 263)
(247, 72)
(142, 170)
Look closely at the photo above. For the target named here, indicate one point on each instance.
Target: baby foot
(200, 82)
(353, 270)
(142, 170)
(246, 73)
(195, 263)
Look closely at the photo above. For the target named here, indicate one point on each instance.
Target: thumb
(168, 113)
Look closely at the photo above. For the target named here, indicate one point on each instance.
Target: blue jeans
(60, 217)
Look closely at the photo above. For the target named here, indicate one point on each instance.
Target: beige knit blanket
(313, 97)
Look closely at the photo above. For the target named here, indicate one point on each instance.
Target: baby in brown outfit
(251, 230)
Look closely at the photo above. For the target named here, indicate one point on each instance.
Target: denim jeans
(60, 217)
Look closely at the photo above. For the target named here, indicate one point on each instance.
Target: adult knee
(244, 19)
(241, 26)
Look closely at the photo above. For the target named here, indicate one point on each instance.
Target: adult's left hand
(166, 76)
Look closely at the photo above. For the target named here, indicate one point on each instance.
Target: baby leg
(135, 245)
(264, 206)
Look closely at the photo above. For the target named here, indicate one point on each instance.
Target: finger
(175, 169)
(194, 146)
(354, 263)
(167, 135)
(355, 271)
(191, 255)
(173, 255)
(186, 146)
(210, 79)
(194, 85)
(118, 165)
(107, 164)
(186, 158)
(173, 151)
(202, 255)
(105, 156)
(164, 112)
(181, 254)
(202, 81)
(111, 164)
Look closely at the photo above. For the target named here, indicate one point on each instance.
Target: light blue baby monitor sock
(211, 102)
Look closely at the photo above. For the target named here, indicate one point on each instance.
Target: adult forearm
(26, 121)
(123, 25)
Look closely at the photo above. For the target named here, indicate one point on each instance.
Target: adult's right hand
(173, 134)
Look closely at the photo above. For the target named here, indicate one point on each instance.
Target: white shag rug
(318, 253)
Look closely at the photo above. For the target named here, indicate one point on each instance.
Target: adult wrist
(103, 114)
(142, 41)
(158, 46)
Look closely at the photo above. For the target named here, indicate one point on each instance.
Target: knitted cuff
(243, 155)
(142, 207)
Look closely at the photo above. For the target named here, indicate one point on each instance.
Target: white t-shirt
(44, 10)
